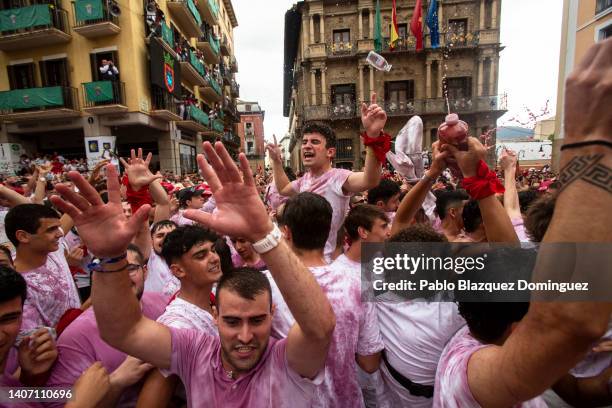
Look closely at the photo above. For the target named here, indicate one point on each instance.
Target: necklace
(230, 374)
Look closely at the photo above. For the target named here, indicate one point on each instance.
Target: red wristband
(381, 145)
(484, 184)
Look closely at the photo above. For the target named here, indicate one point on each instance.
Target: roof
(231, 13)
(293, 24)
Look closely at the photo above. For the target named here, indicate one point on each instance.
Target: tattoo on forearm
(589, 169)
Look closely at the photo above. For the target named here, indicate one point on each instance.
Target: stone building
(327, 78)
(251, 132)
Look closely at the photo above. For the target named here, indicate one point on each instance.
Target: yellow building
(327, 76)
(56, 91)
(585, 22)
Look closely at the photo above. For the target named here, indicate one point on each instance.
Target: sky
(530, 33)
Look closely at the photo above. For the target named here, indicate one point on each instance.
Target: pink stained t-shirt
(452, 389)
(356, 332)
(196, 359)
(80, 345)
(51, 292)
(159, 277)
(328, 185)
(181, 314)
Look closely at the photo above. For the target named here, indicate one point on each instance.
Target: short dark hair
(526, 198)
(418, 233)
(162, 224)
(489, 321)
(383, 191)
(246, 282)
(472, 219)
(26, 217)
(138, 252)
(182, 239)
(362, 216)
(6, 251)
(308, 216)
(12, 285)
(447, 199)
(539, 216)
(323, 129)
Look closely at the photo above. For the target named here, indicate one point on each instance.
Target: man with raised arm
(243, 366)
(554, 336)
(336, 185)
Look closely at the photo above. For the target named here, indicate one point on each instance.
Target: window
(250, 147)
(342, 36)
(96, 63)
(249, 130)
(602, 5)
(460, 87)
(343, 100)
(458, 30)
(402, 30)
(605, 32)
(488, 17)
(399, 96)
(55, 72)
(247, 108)
(21, 76)
(344, 149)
(187, 156)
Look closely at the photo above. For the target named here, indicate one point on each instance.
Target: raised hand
(274, 150)
(438, 162)
(467, 160)
(240, 211)
(138, 171)
(37, 353)
(104, 228)
(507, 159)
(373, 117)
(95, 173)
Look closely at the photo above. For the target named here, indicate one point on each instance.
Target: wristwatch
(270, 242)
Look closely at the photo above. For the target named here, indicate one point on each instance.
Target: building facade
(327, 77)
(170, 85)
(251, 132)
(585, 22)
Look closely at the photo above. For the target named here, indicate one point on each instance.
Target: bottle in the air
(378, 62)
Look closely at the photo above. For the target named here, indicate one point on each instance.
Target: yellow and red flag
(394, 30)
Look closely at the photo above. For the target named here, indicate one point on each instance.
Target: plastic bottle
(378, 62)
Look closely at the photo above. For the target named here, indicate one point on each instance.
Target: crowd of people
(241, 289)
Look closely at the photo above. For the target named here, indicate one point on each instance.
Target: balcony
(341, 50)
(235, 89)
(211, 91)
(104, 97)
(230, 108)
(403, 108)
(196, 120)
(315, 112)
(31, 27)
(209, 46)
(210, 11)
(456, 40)
(225, 74)
(340, 112)
(164, 105)
(233, 65)
(193, 71)
(329, 112)
(186, 15)
(231, 138)
(39, 103)
(215, 130)
(402, 45)
(317, 51)
(225, 48)
(365, 46)
(93, 19)
(466, 105)
(489, 37)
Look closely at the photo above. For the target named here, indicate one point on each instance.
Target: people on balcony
(108, 70)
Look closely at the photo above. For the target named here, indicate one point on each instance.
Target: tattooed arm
(553, 337)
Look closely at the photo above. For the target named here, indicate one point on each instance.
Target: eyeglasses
(133, 268)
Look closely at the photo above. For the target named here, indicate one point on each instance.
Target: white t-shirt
(328, 185)
(159, 278)
(414, 333)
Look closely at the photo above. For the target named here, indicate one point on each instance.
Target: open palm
(138, 171)
(240, 212)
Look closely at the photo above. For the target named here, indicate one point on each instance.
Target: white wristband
(270, 242)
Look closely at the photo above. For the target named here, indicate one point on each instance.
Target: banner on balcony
(31, 98)
(194, 11)
(98, 148)
(100, 91)
(25, 17)
(165, 69)
(167, 34)
(9, 158)
(88, 10)
(199, 116)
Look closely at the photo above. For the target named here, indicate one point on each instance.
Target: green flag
(31, 98)
(25, 17)
(378, 38)
(100, 91)
(88, 10)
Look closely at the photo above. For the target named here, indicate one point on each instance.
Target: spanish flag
(394, 30)
(416, 25)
